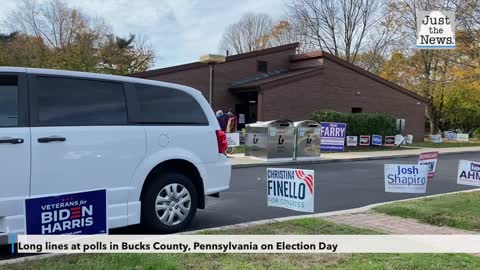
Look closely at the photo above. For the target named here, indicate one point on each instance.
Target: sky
(178, 30)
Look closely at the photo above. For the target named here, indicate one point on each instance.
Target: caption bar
(249, 244)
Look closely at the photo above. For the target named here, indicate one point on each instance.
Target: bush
(360, 123)
(476, 133)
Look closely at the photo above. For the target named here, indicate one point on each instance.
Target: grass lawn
(446, 144)
(461, 210)
(262, 261)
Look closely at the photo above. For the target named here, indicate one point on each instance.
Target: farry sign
(332, 136)
(293, 189)
(468, 173)
(406, 178)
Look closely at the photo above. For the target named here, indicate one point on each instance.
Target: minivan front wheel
(169, 203)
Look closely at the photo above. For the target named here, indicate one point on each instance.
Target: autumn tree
(62, 37)
(431, 73)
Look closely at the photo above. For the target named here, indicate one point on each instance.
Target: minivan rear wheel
(169, 203)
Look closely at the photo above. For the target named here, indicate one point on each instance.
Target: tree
(248, 34)
(339, 27)
(432, 70)
(64, 38)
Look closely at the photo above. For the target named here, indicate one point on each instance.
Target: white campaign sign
(462, 137)
(233, 139)
(291, 188)
(406, 178)
(468, 173)
(352, 141)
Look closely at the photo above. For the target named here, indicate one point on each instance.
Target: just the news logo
(435, 29)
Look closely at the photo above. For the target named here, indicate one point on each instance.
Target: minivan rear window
(8, 101)
(79, 102)
(163, 105)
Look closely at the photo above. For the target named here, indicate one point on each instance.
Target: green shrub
(476, 133)
(360, 123)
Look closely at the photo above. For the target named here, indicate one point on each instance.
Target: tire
(158, 205)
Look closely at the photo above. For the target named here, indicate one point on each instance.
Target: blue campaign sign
(332, 136)
(377, 140)
(73, 213)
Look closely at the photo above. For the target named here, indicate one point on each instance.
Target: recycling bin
(307, 140)
(270, 139)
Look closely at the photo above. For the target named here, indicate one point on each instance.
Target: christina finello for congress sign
(435, 29)
(291, 188)
(469, 173)
(74, 213)
(406, 178)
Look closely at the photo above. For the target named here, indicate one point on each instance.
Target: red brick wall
(335, 88)
(224, 75)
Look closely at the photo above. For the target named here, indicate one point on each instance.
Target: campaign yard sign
(406, 178)
(332, 136)
(450, 135)
(389, 140)
(436, 138)
(74, 213)
(377, 140)
(469, 173)
(429, 159)
(365, 140)
(352, 140)
(399, 139)
(462, 137)
(293, 189)
(233, 139)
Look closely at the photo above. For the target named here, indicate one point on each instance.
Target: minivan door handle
(11, 140)
(51, 139)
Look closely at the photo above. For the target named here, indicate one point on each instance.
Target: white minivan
(156, 147)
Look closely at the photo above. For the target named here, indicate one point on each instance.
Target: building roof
(256, 82)
(230, 58)
(280, 78)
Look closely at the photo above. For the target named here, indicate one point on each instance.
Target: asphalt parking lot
(338, 186)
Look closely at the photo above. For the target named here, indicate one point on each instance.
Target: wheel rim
(173, 204)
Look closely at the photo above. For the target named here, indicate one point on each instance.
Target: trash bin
(307, 140)
(270, 140)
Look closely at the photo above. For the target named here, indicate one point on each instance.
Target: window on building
(356, 110)
(262, 66)
(168, 106)
(8, 101)
(79, 102)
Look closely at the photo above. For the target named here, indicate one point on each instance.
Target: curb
(258, 222)
(322, 161)
(324, 214)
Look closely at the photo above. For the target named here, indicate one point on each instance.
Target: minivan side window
(163, 105)
(8, 101)
(79, 102)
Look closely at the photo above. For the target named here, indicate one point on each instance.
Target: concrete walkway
(392, 224)
(240, 160)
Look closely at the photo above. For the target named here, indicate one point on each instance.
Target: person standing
(221, 120)
(232, 122)
(231, 127)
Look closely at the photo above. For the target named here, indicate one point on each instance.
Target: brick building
(278, 83)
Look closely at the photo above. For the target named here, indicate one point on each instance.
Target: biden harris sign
(291, 188)
(406, 178)
(74, 213)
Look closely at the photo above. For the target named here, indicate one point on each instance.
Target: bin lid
(306, 123)
(273, 123)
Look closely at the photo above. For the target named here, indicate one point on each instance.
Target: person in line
(231, 126)
(221, 120)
